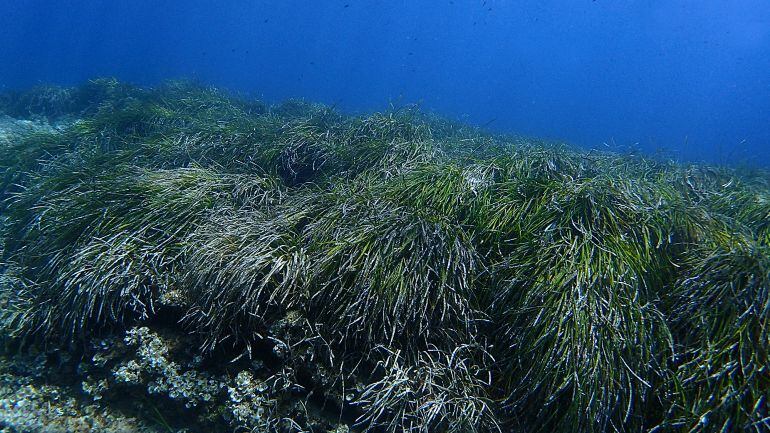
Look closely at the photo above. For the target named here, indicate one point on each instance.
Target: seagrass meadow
(204, 261)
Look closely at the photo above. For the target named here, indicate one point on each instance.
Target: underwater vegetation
(291, 268)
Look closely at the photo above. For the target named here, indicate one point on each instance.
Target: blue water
(688, 78)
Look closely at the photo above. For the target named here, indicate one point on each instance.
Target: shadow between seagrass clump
(414, 273)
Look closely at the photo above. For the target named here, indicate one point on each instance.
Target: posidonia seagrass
(488, 282)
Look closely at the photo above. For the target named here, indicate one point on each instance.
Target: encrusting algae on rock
(31, 402)
(190, 260)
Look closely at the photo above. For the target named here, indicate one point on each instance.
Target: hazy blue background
(688, 77)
